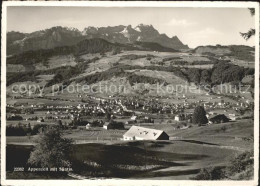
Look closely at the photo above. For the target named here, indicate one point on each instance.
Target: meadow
(133, 160)
(100, 153)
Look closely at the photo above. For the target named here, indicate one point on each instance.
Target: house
(221, 118)
(142, 133)
(107, 125)
(88, 126)
(133, 117)
(40, 119)
(148, 120)
(179, 117)
(233, 117)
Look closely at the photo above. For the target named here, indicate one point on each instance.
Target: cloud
(207, 32)
(181, 22)
(205, 36)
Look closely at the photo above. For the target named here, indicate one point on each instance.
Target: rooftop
(142, 132)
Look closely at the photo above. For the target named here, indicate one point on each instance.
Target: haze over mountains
(63, 36)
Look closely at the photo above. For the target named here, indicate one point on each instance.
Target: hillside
(152, 46)
(239, 52)
(87, 46)
(96, 60)
(43, 39)
(143, 63)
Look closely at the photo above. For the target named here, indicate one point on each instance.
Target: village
(132, 113)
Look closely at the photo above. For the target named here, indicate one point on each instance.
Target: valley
(85, 85)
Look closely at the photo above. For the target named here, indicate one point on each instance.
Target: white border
(128, 4)
(256, 94)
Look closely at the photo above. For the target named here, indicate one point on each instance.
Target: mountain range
(18, 42)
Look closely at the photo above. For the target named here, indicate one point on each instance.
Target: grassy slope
(176, 159)
(137, 159)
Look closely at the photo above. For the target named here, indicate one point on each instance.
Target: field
(133, 160)
(100, 153)
(53, 62)
(232, 130)
(182, 157)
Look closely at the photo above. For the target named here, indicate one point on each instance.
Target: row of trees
(21, 130)
(221, 72)
(14, 118)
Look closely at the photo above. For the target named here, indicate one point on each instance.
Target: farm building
(107, 125)
(134, 117)
(141, 133)
(179, 117)
(233, 117)
(88, 126)
(148, 120)
(40, 119)
(221, 118)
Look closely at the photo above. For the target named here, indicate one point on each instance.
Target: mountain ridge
(18, 42)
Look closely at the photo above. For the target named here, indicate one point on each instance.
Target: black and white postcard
(130, 93)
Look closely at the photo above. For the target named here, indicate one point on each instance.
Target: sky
(193, 26)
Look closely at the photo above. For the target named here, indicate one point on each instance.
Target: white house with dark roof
(107, 125)
(179, 117)
(142, 133)
(133, 117)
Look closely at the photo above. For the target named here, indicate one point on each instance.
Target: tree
(251, 32)
(52, 150)
(242, 162)
(211, 173)
(59, 122)
(248, 35)
(108, 116)
(199, 116)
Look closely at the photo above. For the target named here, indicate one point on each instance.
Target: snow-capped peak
(141, 27)
(137, 29)
(126, 29)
